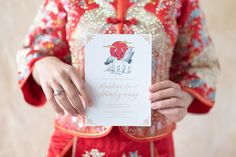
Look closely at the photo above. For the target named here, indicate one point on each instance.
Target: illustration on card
(120, 59)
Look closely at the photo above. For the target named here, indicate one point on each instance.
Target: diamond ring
(58, 92)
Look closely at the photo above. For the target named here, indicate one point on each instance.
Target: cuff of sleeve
(32, 92)
(200, 105)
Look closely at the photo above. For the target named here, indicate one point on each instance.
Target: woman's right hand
(54, 75)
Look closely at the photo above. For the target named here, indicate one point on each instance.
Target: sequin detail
(182, 49)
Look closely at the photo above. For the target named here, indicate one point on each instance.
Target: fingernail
(90, 103)
(153, 107)
(83, 112)
(150, 89)
(150, 97)
(75, 114)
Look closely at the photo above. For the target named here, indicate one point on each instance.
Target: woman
(184, 71)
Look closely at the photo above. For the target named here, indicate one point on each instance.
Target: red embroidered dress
(182, 52)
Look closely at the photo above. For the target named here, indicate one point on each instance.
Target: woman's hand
(168, 98)
(62, 85)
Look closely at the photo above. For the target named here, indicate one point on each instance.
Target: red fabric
(49, 36)
(198, 107)
(192, 47)
(189, 39)
(114, 144)
(59, 142)
(33, 93)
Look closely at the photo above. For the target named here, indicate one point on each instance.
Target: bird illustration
(110, 60)
(127, 57)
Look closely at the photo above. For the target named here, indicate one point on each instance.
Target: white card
(118, 73)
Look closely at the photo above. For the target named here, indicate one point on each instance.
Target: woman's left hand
(170, 100)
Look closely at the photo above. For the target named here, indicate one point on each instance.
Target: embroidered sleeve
(46, 37)
(194, 64)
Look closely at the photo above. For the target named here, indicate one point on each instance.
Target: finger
(164, 94)
(81, 87)
(171, 111)
(62, 99)
(167, 103)
(51, 100)
(163, 85)
(174, 114)
(73, 94)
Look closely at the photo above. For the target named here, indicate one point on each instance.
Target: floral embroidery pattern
(132, 154)
(93, 153)
(182, 50)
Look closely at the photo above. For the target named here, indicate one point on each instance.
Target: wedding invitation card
(118, 74)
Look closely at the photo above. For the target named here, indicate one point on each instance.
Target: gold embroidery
(90, 1)
(94, 22)
(153, 1)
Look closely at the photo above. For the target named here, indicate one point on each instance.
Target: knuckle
(77, 107)
(61, 74)
(160, 104)
(175, 100)
(179, 118)
(167, 82)
(175, 119)
(80, 109)
(81, 86)
(155, 85)
(154, 107)
(52, 81)
(159, 95)
(178, 86)
(173, 91)
(178, 113)
(61, 98)
(172, 83)
(46, 83)
(70, 69)
(50, 98)
(73, 94)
